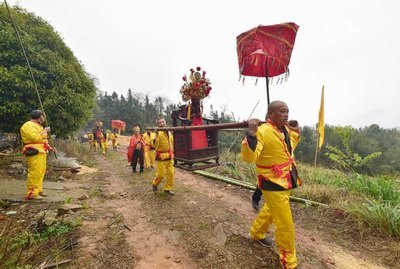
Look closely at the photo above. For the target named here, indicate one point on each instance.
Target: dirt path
(204, 226)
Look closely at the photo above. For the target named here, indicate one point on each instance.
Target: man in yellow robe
(36, 147)
(271, 147)
(149, 152)
(104, 142)
(164, 145)
(113, 137)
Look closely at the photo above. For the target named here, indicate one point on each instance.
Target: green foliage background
(66, 89)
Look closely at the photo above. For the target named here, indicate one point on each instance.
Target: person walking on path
(149, 152)
(271, 147)
(164, 145)
(113, 137)
(135, 150)
(34, 138)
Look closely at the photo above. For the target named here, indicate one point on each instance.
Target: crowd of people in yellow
(270, 146)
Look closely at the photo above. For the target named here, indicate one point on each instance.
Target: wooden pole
(266, 79)
(218, 126)
(252, 187)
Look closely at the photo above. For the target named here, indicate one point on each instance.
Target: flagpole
(316, 148)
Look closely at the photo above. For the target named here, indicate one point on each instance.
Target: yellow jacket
(112, 136)
(273, 159)
(147, 139)
(164, 145)
(33, 136)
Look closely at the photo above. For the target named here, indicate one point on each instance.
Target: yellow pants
(104, 147)
(149, 156)
(164, 168)
(277, 210)
(36, 171)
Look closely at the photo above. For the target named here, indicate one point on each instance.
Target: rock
(48, 221)
(3, 204)
(220, 235)
(67, 207)
(84, 196)
(10, 213)
(66, 174)
(16, 166)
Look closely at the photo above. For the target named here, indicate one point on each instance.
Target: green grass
(27, 248)
(345, 191)
(76, 149)
(384, 216)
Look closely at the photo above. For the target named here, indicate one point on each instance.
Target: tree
(346, 158)
(66, 89)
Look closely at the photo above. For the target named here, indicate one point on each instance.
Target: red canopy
(118, 124)
(266, 47)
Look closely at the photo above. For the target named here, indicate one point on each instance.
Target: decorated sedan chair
(194, 149)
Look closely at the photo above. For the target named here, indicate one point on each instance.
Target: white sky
(350, 46)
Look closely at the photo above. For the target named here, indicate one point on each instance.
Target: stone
(68, 207)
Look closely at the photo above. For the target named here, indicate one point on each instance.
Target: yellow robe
(272, 157)
(33, 136)
(274, 163)
(149, 153)
(164, 146)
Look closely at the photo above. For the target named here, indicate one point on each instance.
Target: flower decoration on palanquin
(197, 86)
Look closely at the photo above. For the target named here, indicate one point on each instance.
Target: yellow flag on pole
(321, 124)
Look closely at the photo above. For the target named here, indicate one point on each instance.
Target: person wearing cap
(34, 138)
(135, 150)
(149, 152)
(271, 147)
(164, 145)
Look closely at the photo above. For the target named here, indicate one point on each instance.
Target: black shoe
(169, 192)
(266, 242)
(154, 188)
(134, 171)
(255, 205)
(141, 172)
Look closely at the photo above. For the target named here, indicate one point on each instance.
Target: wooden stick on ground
(251, 187)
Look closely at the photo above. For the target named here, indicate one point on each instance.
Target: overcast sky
(351, 47)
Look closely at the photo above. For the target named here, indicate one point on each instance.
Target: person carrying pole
(149, 152)
(164, 145)
(271, 147)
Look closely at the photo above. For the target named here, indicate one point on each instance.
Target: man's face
(161, 123)
(41, 119)
(280, 114)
